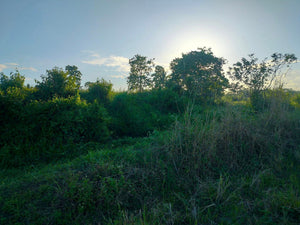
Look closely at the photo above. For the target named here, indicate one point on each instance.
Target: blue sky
(100, 36)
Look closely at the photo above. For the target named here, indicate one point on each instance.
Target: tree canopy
(139, 76)
(59, 83)
(259, 76)
(199, 73)
(74, 75)
(15, 80)
(159, 77)
(99, 91)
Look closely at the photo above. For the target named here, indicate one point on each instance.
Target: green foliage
(139, 76)
(74, 75)
(99, 91)
(15, 80)
(296, 100)
(59, 83)
(259, 76)
(230, 166)
(224, 164)
(45, 131)
(137, 114)
(200, 74)
(10, 106)
(231, 140)
(159, 78)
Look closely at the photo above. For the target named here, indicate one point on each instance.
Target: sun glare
(185, 43)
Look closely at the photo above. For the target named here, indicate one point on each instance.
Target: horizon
(99, 37)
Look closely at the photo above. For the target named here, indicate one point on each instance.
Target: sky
(100, 36)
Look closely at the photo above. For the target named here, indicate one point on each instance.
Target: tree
(159, 77)
(259, 76)
(15, 80)
(99, 91)
(199, 73)
(140, 69)
(59, 83)
(74, 75)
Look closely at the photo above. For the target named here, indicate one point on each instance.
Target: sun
(186, 42)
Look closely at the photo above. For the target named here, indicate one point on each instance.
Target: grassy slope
(226, 167)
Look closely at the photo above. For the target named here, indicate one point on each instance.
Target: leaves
(140, 69)
(159, 78)
(258, 76)
(199, 73)
(59, 83)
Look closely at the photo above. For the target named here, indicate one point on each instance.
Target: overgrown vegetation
(160, 154)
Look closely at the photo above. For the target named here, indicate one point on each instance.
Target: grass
(227, 165)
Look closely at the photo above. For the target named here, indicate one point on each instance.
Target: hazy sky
(99, 36)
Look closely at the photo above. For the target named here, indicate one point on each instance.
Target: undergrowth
(229, 165)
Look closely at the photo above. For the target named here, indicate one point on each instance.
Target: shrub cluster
(41, 131)
(35, 130)
(137, 114)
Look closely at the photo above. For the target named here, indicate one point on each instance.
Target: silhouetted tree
(140, 69)
(198, 73)
(259, 76)
(159, 77)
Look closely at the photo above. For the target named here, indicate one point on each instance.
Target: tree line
(198, 74)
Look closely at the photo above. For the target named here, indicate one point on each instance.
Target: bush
(49, 130)
(296, 100)
(137, 114)
(99, 91)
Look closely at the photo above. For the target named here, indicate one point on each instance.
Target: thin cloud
(95, 62)
(95, 55)
(120, 63)
(15, 66)
(118, 76)
(12, 64)
(28, 68)
(2, 67)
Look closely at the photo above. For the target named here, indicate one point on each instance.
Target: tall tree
(259, 76)
(199, 73)
(139, 76)
(159, 77)
(74, 75)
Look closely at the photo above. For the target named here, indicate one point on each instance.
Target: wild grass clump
(232, 139)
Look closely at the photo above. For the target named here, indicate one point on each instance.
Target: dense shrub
(295, 100)
(99, 91)
(136, 114)
(48, 130)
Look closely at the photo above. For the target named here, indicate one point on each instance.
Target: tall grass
(232, 139)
